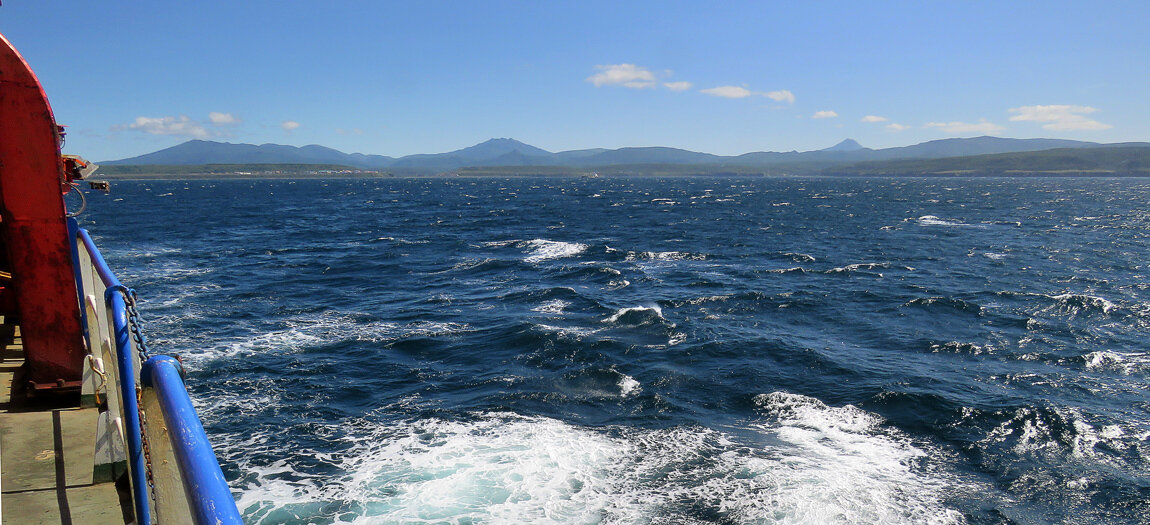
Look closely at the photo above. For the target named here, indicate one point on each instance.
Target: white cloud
(223, 119)
(183, 126)
(742, 92)
(1059, 117)
(825, 114)
(873, 118)
(781, 95)
(895, 126)
(289, 125)
(982, 126)
(352, 131)
(626, 75)
(678, 86)
(178, 126)
(728, 92)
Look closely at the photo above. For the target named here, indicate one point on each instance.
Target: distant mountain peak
(846, 145)
(493, 148)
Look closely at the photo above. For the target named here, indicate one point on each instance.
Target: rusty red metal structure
(34, 231)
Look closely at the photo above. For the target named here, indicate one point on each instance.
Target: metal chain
(150, 479)
(134, 322)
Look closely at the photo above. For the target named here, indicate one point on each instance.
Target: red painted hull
(33, 227)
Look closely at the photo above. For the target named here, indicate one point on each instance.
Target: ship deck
(47, 448)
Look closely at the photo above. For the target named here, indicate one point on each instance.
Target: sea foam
(811, 464)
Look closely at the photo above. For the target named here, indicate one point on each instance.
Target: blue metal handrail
(128, 394)
(204, 484)
(106, 274)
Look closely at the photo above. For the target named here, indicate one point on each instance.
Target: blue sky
(397, 78)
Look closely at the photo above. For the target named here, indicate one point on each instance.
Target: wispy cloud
(781, 95)
(825, 114)
(180, 126)
(982, 126)
(873, 118)
(895, 126)
(289, 125)
(626, 75)
(1059, 117)
(728, 92)
(678, 86)
(352, 131)
(223, 119)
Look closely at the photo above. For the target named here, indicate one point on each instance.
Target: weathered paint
(33, 228)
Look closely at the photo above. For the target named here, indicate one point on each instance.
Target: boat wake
(803, 462)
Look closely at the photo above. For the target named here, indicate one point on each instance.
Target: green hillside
(231, 171)
(1101, 161)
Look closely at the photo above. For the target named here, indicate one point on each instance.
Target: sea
(692, 350)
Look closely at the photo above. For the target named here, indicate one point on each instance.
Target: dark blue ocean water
(656, 350)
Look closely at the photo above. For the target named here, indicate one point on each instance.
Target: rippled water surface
(656, 350)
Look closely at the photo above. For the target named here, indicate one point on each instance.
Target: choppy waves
(650, 351)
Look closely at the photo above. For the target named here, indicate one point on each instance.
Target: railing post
(170, 504)
(209, 496)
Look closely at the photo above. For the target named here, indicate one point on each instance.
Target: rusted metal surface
(33, 228)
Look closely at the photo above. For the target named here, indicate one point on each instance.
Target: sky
(397, 78)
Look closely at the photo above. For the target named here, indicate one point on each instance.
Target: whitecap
(554, 306)
(542, 249)
(570, 332)
(628, 386)
(664, 256)
(868, 266)
(1062, 430)
(638, 314)
(1075, 304)
(957, 347)
(618, 284)
(708, 299)
(931, 220)
(1123, 363)
(799, 257)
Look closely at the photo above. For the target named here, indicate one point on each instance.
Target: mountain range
(510, 152)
